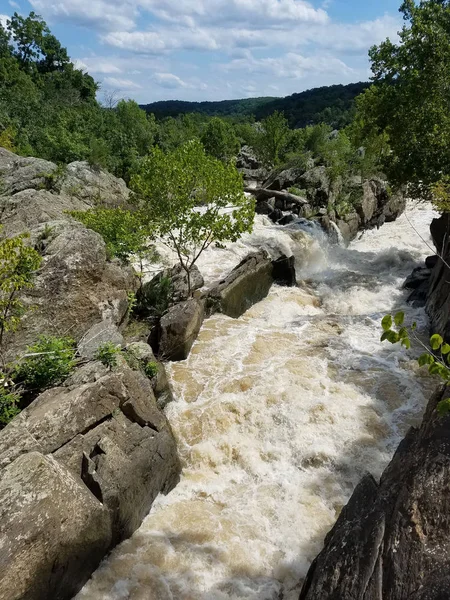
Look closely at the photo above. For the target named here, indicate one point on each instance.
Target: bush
(9, 400)
(47, 363)
(151, 369)
(122, 230)
(107, 354)
(18, 263)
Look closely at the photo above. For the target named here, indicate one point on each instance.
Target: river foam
(277, 415)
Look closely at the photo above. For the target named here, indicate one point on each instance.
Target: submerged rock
(391, 541)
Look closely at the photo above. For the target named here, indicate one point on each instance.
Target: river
(278, 414)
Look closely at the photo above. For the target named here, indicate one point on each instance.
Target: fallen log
(262, 193)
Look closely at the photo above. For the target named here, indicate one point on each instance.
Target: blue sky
(152, 50)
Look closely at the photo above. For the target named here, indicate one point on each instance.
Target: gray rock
(142, 351)
(53, 531)
(18, 173)
(284, 179)
(438, 305)
(263, 208)
(283, 272)
(100, 333)
(178, 330)
(247, 284)
(109, 437)
(76, 287)
(417, 277)
(391, 541)
(93, 186)
(246, 159)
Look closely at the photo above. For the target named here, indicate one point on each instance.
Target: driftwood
(286, 196)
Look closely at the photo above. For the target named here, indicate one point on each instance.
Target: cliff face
(438, 299)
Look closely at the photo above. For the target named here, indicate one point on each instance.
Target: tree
(18, 264)
(193, 200)
(219, 140)
(411, 98)
(271, 139)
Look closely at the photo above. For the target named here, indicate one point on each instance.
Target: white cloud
(97, 65)
(3, 19)
(169, 80)
(121, 84)
(14, 5)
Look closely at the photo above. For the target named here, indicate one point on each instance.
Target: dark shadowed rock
(440, 231)
(276, 215)
(286, 219)
(284, 271)
(178, 330)
(263, 208)
(391, 541)
(53, 531)
(431, 261)
(247, 284)
(417, 277)
(283, 180)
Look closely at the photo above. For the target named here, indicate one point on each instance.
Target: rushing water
(277, 416)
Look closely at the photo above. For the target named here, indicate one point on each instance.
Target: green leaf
(445, 349)
(443, 407)
(403, 333)
(399, 318)
(386, 322)
(392, 337)
(406, 343)
(425, 359)
(414, 326)
(435, 369)
(436, 341)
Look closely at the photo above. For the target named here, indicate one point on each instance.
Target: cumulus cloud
(121, 84)
(169, 80)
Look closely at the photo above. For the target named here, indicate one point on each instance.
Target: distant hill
(329, 104)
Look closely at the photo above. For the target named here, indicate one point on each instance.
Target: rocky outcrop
(250, 167)
(81, 467)
(391, 541)
(247, 284)
(176, 332)
(76, 285)
(438, 304)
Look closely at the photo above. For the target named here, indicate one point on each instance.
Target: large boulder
(247, 284)
(85, 462)
(18, 173)
(105, 332)
(53, 531)
(284, 180)
(75, 288)
(155, 296)
(173, 337)
(438, 305)
(392, 540)
(93, 185)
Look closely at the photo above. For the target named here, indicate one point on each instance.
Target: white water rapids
(278, 414)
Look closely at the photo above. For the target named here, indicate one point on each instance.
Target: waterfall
(277, 415)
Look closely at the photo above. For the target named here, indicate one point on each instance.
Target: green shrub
(296, 191)
(107, 354)
(151, 369)
(122, 230)
(47, 363)
(18, 264)
(9, 400)
(152, 299)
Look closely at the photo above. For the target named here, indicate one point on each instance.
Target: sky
(151, 50)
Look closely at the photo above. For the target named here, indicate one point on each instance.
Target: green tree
(411, 98)
(272, 138)
(219, 140)
(18, 264)
(193, 200)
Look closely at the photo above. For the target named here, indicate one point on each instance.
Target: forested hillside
(330, 104)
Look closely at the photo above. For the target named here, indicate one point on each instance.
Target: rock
(99, 334)
(284, 180)
(53, 531)
(109, 437)
(178, 329)
(76, 287)
(20, 173)
(263, 208)
(284, 271)
(154, 297)
(431, 261)
(391, 541)
(286, 219)
(142, 351)
(247, 284)
(160, 382)
(438, 305)
(417, 278)
(93, 186)
(246, 159)
(440, 231)
(369, 202)
(276, 215)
